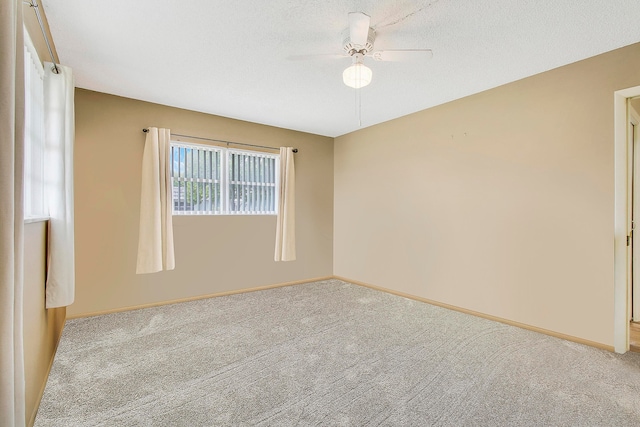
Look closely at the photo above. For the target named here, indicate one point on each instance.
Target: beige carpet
(328, 354)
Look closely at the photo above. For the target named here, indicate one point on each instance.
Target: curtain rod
(295, 150)
(36, 8)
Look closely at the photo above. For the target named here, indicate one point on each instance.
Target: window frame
(224, 179)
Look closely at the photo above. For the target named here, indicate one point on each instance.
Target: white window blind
(196, 180)
(34, 192)
(211, 180)
(252, 182)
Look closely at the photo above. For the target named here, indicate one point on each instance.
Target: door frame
(621, 276)
(633, 121)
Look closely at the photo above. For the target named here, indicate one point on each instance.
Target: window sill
(36, 219)
(221, 214)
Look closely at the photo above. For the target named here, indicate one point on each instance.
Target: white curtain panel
(155, 241)
(286, 221)
(12, 398)
(59, 137)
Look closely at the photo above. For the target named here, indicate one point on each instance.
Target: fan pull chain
(358, 99)
(359, 108)
(358, 105)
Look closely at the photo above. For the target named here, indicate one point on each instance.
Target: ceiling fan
(357, 42)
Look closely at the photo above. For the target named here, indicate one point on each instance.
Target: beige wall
(213, 253)
(501, 202)
(42, 327)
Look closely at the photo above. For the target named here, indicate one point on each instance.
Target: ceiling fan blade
(402, 55)
(316, 57)
(359, 28)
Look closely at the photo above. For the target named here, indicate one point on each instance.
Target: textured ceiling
(232, 58)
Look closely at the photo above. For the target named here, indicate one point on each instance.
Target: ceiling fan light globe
(357, 76)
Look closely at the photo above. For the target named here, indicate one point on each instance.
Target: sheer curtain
(12, 398)
(59, 136)
(286, 221)
(155, 241)
(34, 191)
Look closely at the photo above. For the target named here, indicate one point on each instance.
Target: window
(34, 195)
(220, 181)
